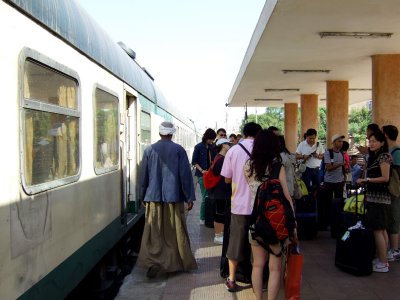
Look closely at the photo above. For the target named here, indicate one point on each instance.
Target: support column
(309, 113)
(291, 112)
(386, 89)
(337, 109)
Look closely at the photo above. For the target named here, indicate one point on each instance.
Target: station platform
(321, 279)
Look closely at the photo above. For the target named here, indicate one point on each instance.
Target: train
(77, 113)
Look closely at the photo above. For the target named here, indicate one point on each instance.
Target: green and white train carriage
(76, 114)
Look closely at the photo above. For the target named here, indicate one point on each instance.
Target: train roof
(69, 21)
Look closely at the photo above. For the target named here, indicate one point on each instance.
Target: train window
(106, 132)
(51, 128)
(46, 85)
(145, 128)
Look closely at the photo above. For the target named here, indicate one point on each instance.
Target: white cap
(222, 141)
(336, 137)
(167, 128)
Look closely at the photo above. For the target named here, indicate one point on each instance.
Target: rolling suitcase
(324, 205)
(336, 219)
(306, 217)
(355, 249)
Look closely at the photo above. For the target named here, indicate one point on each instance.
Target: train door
(129, 120)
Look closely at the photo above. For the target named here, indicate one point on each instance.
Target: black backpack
(272, 217)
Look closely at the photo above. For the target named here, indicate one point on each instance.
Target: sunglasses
(222, 134)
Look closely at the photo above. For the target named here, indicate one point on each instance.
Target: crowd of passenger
(242, 163)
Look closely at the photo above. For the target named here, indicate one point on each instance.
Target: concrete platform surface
(321, 279)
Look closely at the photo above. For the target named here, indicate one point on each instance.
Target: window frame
(145, 111)
(103, 170)
(32, 104)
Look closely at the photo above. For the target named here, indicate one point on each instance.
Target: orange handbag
(293, 272)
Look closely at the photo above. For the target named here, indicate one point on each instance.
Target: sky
(192, 48)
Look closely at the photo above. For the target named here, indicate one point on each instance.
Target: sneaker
(393, 255)
(396, 254)
(389, 255)
(230, 285)
(375, 261)
(219, 239)
(202, 222)
(380, 267)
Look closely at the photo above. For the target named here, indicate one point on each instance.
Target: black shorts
(377, 216)
(219, 211)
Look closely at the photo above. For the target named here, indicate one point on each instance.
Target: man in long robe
(166, 183)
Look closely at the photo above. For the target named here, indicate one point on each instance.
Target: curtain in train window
(145, 128)
(51, 129)
(145, 132)
(106, 130)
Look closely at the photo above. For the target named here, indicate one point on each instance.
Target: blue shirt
(165, 174)
(395, 155)
(200, 156)
(355, 173)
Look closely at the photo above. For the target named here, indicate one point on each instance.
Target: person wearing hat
(222, 192)
(333, 179)
(165, 185)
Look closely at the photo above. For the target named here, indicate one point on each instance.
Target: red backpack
(272, 218)
(209, 179)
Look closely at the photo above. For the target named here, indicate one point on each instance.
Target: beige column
(386, 89)
(337, 109)
(291, 112)
(309, 113)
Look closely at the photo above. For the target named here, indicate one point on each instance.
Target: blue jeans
(311, 178)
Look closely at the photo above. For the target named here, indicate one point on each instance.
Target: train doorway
(129, 122)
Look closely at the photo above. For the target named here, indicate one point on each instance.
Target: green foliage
(273, 116)
(358, 122)
(322, 124)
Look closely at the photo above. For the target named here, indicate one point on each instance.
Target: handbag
(209, 179)
(301, 186)
(394, 182)
(293, 272)
(350, 204)
(302, 167)
(297, 193)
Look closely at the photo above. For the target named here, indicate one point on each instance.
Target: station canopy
(298, 45)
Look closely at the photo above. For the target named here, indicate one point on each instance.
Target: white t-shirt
(305, 149)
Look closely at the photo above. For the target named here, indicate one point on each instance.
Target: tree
(273, 116)
(359, 118)
(358, 122)
(322, 124)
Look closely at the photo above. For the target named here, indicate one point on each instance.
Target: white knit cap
(167, 128)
